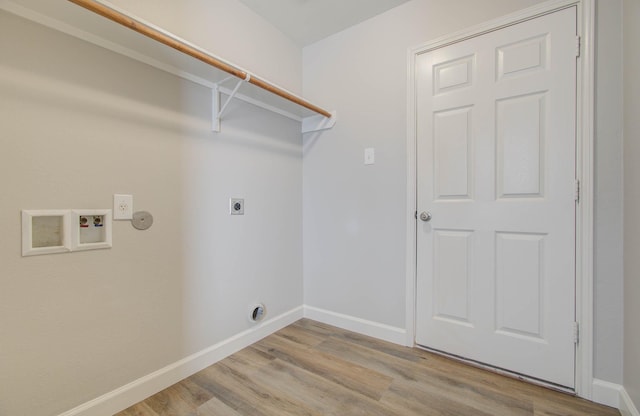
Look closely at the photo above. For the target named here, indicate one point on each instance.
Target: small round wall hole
(257, 312)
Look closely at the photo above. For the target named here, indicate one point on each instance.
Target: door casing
(584, 172)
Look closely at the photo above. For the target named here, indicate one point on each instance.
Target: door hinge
(577, 191)
(578, 46)
(576, 333)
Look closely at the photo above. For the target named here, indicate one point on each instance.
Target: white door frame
(584, 172)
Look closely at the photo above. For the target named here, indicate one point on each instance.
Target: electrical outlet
(236, 206)
(122, 207)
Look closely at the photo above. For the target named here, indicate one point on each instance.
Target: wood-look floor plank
(301, 336)
(427, 402)
(574, 407)
(314, 369)
(322, 395)
(382, 362)
(170, 401)
(215, 407)
(139, 409)
(358, 378)
(386, 347)
(406, 373)
(487, 389)
(241, 393)
(250, 359)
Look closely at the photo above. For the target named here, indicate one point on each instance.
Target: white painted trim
(354, 324)
(606, 393)
(613, 395)
(584, 219)
(627, 408)
(495, 24)
(584, 165)
(412, 204)
(138, 390)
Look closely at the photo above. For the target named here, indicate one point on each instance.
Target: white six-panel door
(496, 135)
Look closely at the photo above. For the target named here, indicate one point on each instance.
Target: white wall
(608, 309)
(78, 124)
(632, 200)
(354, 215)
(230, 30)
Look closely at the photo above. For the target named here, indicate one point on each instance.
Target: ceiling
(308, 21)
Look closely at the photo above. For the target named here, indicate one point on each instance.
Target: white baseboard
(606, 393)
(140, 389)
(613, 395)
(361, 326)
(627, 408)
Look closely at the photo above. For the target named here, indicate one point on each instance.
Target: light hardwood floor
(311, 368)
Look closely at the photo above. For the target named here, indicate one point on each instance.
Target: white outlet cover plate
(122, 207)
(369, 156)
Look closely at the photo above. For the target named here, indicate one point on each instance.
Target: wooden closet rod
(163, 38)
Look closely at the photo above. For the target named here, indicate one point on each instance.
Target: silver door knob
(425, 216)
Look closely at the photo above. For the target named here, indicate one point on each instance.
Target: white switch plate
(369, 156)
(122, 207)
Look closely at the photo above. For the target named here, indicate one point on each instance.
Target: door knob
(425, 216)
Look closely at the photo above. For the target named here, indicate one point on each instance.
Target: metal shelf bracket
(318, 123)
(217, 107)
